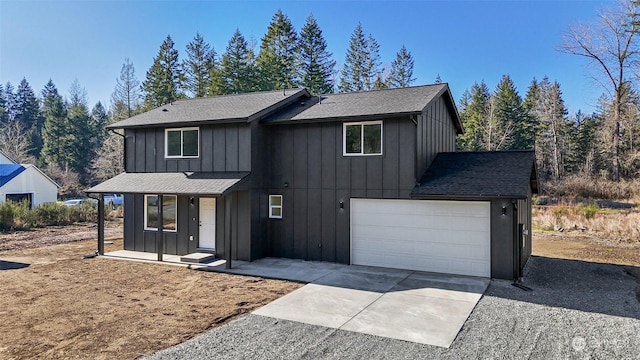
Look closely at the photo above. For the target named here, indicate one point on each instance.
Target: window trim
(146, 219)
(362, 124)
(182, 130)
(272, 207)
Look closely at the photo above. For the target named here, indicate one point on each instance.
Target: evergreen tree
(362, 63)
(276, 62)
(512, 121)
(198, 66)
(125, 100)
(97, 123)
(476, 119)
(583, 140)
(372, 64)
(315, 62)
(28, 113)
(235, 68)
(402, 70)
(55, 126)
(77, 149)
(9, 102)
(380, 82)
(163, 79)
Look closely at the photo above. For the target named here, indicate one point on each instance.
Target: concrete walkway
(420, 307)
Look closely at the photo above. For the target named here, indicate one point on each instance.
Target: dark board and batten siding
(225, 147)
(436, 133)
(136, 238)
(307, 166)
(185, 240)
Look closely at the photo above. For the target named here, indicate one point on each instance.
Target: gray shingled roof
(409, 100)
(170, 183)
(240, 107)
(480, 174)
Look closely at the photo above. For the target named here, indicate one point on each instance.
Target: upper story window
(182, 143)
(362, 138)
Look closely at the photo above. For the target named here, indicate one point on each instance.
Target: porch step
(197, 258)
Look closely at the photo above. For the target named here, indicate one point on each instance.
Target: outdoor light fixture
(286, 184)
(341, 204)
(192, 201)
(504, 209)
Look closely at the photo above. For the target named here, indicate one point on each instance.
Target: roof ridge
(388, 89)
(231, 95)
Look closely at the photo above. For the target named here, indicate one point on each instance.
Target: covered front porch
(175, 217)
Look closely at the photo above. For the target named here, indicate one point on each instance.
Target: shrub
(13, 215)
(588, 211)
(18, 216)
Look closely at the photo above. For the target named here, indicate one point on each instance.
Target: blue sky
(462, 41)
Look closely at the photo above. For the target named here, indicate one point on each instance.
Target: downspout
(124, 147)
(516, 242)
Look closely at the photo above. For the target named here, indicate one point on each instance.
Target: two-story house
(367, 178)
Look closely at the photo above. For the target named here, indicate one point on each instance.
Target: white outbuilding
(25, 182)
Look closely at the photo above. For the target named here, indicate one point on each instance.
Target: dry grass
(618, 225)
(592, 188)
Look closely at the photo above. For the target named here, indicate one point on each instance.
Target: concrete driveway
(577, 310)
(420, 307)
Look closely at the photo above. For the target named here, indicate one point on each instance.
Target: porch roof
(179, 183)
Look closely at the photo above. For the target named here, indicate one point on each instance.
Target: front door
(207, 224)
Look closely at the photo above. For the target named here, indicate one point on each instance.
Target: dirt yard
(587, 247)
(56, 305)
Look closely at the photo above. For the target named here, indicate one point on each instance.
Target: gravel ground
(576, 310)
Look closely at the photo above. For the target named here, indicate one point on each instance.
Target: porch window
(182, 143)
(275, 206)
(169, 212)
(362, 138)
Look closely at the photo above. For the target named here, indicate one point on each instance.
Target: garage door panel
(422, 222)
(438, 236)
(418, 234)
(427, 250)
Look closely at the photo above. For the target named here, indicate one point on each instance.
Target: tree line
(604, 144)
(69, 141)
(286, 59)
(503, 120)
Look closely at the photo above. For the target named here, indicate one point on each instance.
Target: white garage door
(440, 236)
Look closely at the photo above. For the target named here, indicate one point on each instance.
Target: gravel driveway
(576, 310)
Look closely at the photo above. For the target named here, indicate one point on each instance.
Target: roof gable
(480, 174)
(9, 172)
(225, 108)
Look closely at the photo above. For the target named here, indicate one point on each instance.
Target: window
(275, 206)
(169, 212)
(181, 143)
(364, 138)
